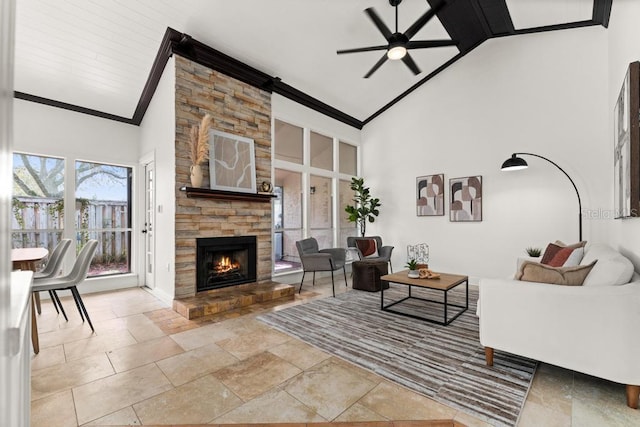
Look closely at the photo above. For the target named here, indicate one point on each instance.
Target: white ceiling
(98, 53)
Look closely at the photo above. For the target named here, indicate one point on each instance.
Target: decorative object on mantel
(626, 147)
(265, 187)
(232, 162)
(199, 152)
(366, 207)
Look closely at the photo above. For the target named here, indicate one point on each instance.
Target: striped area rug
(445, 363)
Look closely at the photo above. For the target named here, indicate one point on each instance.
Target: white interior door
(148, 229)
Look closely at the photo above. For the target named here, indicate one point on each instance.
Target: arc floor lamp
(516, 163)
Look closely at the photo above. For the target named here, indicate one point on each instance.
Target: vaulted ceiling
(98, 54)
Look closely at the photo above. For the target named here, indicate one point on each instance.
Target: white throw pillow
(612, 267)
(575, 258)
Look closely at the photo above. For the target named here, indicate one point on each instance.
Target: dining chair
(70, 282)
(320, 260)
(52, 269)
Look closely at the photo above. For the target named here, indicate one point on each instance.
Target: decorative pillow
(554, 248)
(567, 257)
(570, 276)
(368, 247)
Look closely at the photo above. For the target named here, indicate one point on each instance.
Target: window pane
(320, 218)
(345, 196)
(103, 212)
(288, 142)
(348, 159)
(287, 220)
(38, 201)
(321, 151)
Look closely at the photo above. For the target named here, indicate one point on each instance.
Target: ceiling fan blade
(375, 67)
(409, 62)
(386, 32)
(422, 44)
(363, 49)
(421, 22)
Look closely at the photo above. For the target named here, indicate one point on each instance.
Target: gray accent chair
(320, 260)
(384, 252)
(70, 281)
(52, 269)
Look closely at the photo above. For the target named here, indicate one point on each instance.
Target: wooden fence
(39, 222)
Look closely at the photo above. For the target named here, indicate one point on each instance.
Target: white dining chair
(52, 269)
(70, 282)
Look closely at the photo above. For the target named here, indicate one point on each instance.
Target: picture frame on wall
(465, 195)
(430, 195)
(626, 154)
(232, 162)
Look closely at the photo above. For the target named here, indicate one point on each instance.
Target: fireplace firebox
(225, 261)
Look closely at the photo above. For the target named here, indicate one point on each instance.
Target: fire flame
(225, 265)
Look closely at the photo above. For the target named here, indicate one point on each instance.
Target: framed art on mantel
(626, 153)
(232, 164)
(430, 195)
(466, 199)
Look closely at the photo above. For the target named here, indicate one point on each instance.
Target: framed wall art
(232, 164)
(626, 153)
(466, 199)
(430, 195)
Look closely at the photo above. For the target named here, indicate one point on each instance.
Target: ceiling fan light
(396, 52)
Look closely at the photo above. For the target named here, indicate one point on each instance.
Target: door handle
(144, 231)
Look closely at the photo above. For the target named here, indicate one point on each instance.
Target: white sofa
(593, 328)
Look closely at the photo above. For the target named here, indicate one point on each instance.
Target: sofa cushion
(567, 257)
(571, 276)
(612, 268)
(368, 247)
(554, 248)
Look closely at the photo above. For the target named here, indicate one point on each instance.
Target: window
(38, 201)
(321, 151)
(289, 142)
(312, 187)
(348, 159)
(102, 208)
(103, 212)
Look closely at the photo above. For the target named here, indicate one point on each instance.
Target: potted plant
(534, 252)
(412, 265)
(366, 207)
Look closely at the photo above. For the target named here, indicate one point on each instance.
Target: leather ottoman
(366, 275)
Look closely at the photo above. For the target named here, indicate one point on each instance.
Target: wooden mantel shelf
(206, 193)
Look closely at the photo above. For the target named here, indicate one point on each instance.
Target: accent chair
(370, 248)
(314, 259)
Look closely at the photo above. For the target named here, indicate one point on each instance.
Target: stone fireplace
(240, 109)
(225, 261)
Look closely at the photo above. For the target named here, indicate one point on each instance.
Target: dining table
(27, 259)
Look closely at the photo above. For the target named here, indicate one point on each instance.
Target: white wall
(45, 130)
(624, 34)
(157, 139)
(541, 93)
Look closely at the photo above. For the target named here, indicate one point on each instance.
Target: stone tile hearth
(232, 297)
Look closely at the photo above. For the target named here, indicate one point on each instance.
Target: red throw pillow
(368, 247)
(560, 257)
(549, 253)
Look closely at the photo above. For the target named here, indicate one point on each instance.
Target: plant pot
(413, 274)
(196, 176)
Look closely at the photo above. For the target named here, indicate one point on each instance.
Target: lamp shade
(514, 163)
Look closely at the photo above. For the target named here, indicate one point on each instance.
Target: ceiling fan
(399, 43)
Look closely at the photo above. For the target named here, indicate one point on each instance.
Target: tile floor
(147, 365)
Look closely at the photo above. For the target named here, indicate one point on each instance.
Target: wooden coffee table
(445, 283)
